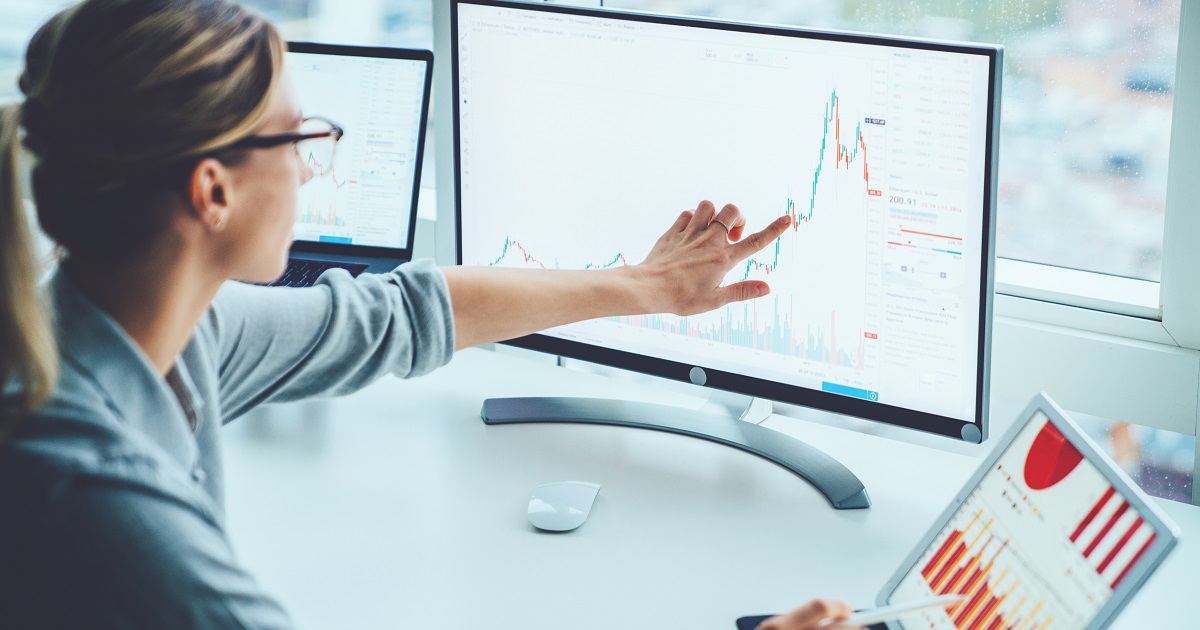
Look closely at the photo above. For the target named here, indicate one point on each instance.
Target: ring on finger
(715, 220)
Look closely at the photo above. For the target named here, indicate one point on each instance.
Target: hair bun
(35, 118)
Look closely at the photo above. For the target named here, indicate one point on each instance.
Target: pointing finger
(758, 240)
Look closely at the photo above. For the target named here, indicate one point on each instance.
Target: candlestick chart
(816, 268)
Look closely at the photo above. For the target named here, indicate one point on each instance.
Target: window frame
(1097, 344)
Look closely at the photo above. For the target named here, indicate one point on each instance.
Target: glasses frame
(275, 139)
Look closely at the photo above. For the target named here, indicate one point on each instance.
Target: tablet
(1049, 532)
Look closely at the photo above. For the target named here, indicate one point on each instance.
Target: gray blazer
(111, 496)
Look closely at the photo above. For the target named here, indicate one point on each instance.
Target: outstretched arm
(682, 274)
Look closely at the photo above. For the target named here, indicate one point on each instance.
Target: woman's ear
(209, 193)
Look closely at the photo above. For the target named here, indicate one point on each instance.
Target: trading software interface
(367, 198)
(582, 139)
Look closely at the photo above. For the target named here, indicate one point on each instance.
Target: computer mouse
(560, 506)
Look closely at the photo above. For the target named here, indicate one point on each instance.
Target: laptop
(1049, 532)
(361, 215)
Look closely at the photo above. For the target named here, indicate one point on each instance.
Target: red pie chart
(1051, 458)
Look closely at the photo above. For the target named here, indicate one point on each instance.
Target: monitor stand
(740, 406)
(729, 419)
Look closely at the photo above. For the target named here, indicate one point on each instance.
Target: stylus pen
(895, 611)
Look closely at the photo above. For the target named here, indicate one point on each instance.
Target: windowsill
(1081, 289)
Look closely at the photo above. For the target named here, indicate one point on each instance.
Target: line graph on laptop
(367, 196)
(324, 201)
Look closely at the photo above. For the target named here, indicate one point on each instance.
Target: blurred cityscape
(1086, 123)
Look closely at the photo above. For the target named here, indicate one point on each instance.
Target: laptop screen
(369, 196)
(1044, 540)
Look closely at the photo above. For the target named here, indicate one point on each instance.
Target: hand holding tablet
(896, 611)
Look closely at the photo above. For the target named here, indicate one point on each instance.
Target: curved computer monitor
(582, 133)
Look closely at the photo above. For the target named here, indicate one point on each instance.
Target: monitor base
(840, 486)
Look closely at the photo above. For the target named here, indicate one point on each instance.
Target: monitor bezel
(975, 430)
(377, 52)
(1167, 532)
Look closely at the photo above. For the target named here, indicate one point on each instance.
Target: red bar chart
(1112, 537)
(977, 562)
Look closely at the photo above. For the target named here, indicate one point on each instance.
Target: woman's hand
(811, 615)
(681, 275)
(687, 264)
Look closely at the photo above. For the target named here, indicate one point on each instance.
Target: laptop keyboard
(303, 273)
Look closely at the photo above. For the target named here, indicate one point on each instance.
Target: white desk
(397, 507)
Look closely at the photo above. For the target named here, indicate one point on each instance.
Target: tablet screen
(1044, 540)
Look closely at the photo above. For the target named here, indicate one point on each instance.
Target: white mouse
(560, 506)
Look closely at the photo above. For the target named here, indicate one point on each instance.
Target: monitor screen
(581, 134)
(380, 101)
(1044, 537)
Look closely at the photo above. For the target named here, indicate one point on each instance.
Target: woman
(165, 143)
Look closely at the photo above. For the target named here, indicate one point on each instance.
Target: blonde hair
(122, 99)
(27, 348)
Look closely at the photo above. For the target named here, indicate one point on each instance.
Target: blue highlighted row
(846, 390)
(344, 240)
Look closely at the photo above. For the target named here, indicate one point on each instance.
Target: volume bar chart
(327, 216)
(743, 326)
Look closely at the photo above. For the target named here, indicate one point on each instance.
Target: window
(19, 19)
(1086, 123)
(1160, 462)
(404, 23)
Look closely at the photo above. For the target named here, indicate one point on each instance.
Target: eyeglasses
(316, 142)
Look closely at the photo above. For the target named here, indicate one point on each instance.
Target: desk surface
(397, 507)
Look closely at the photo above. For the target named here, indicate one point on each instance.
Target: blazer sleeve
(278, 344)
